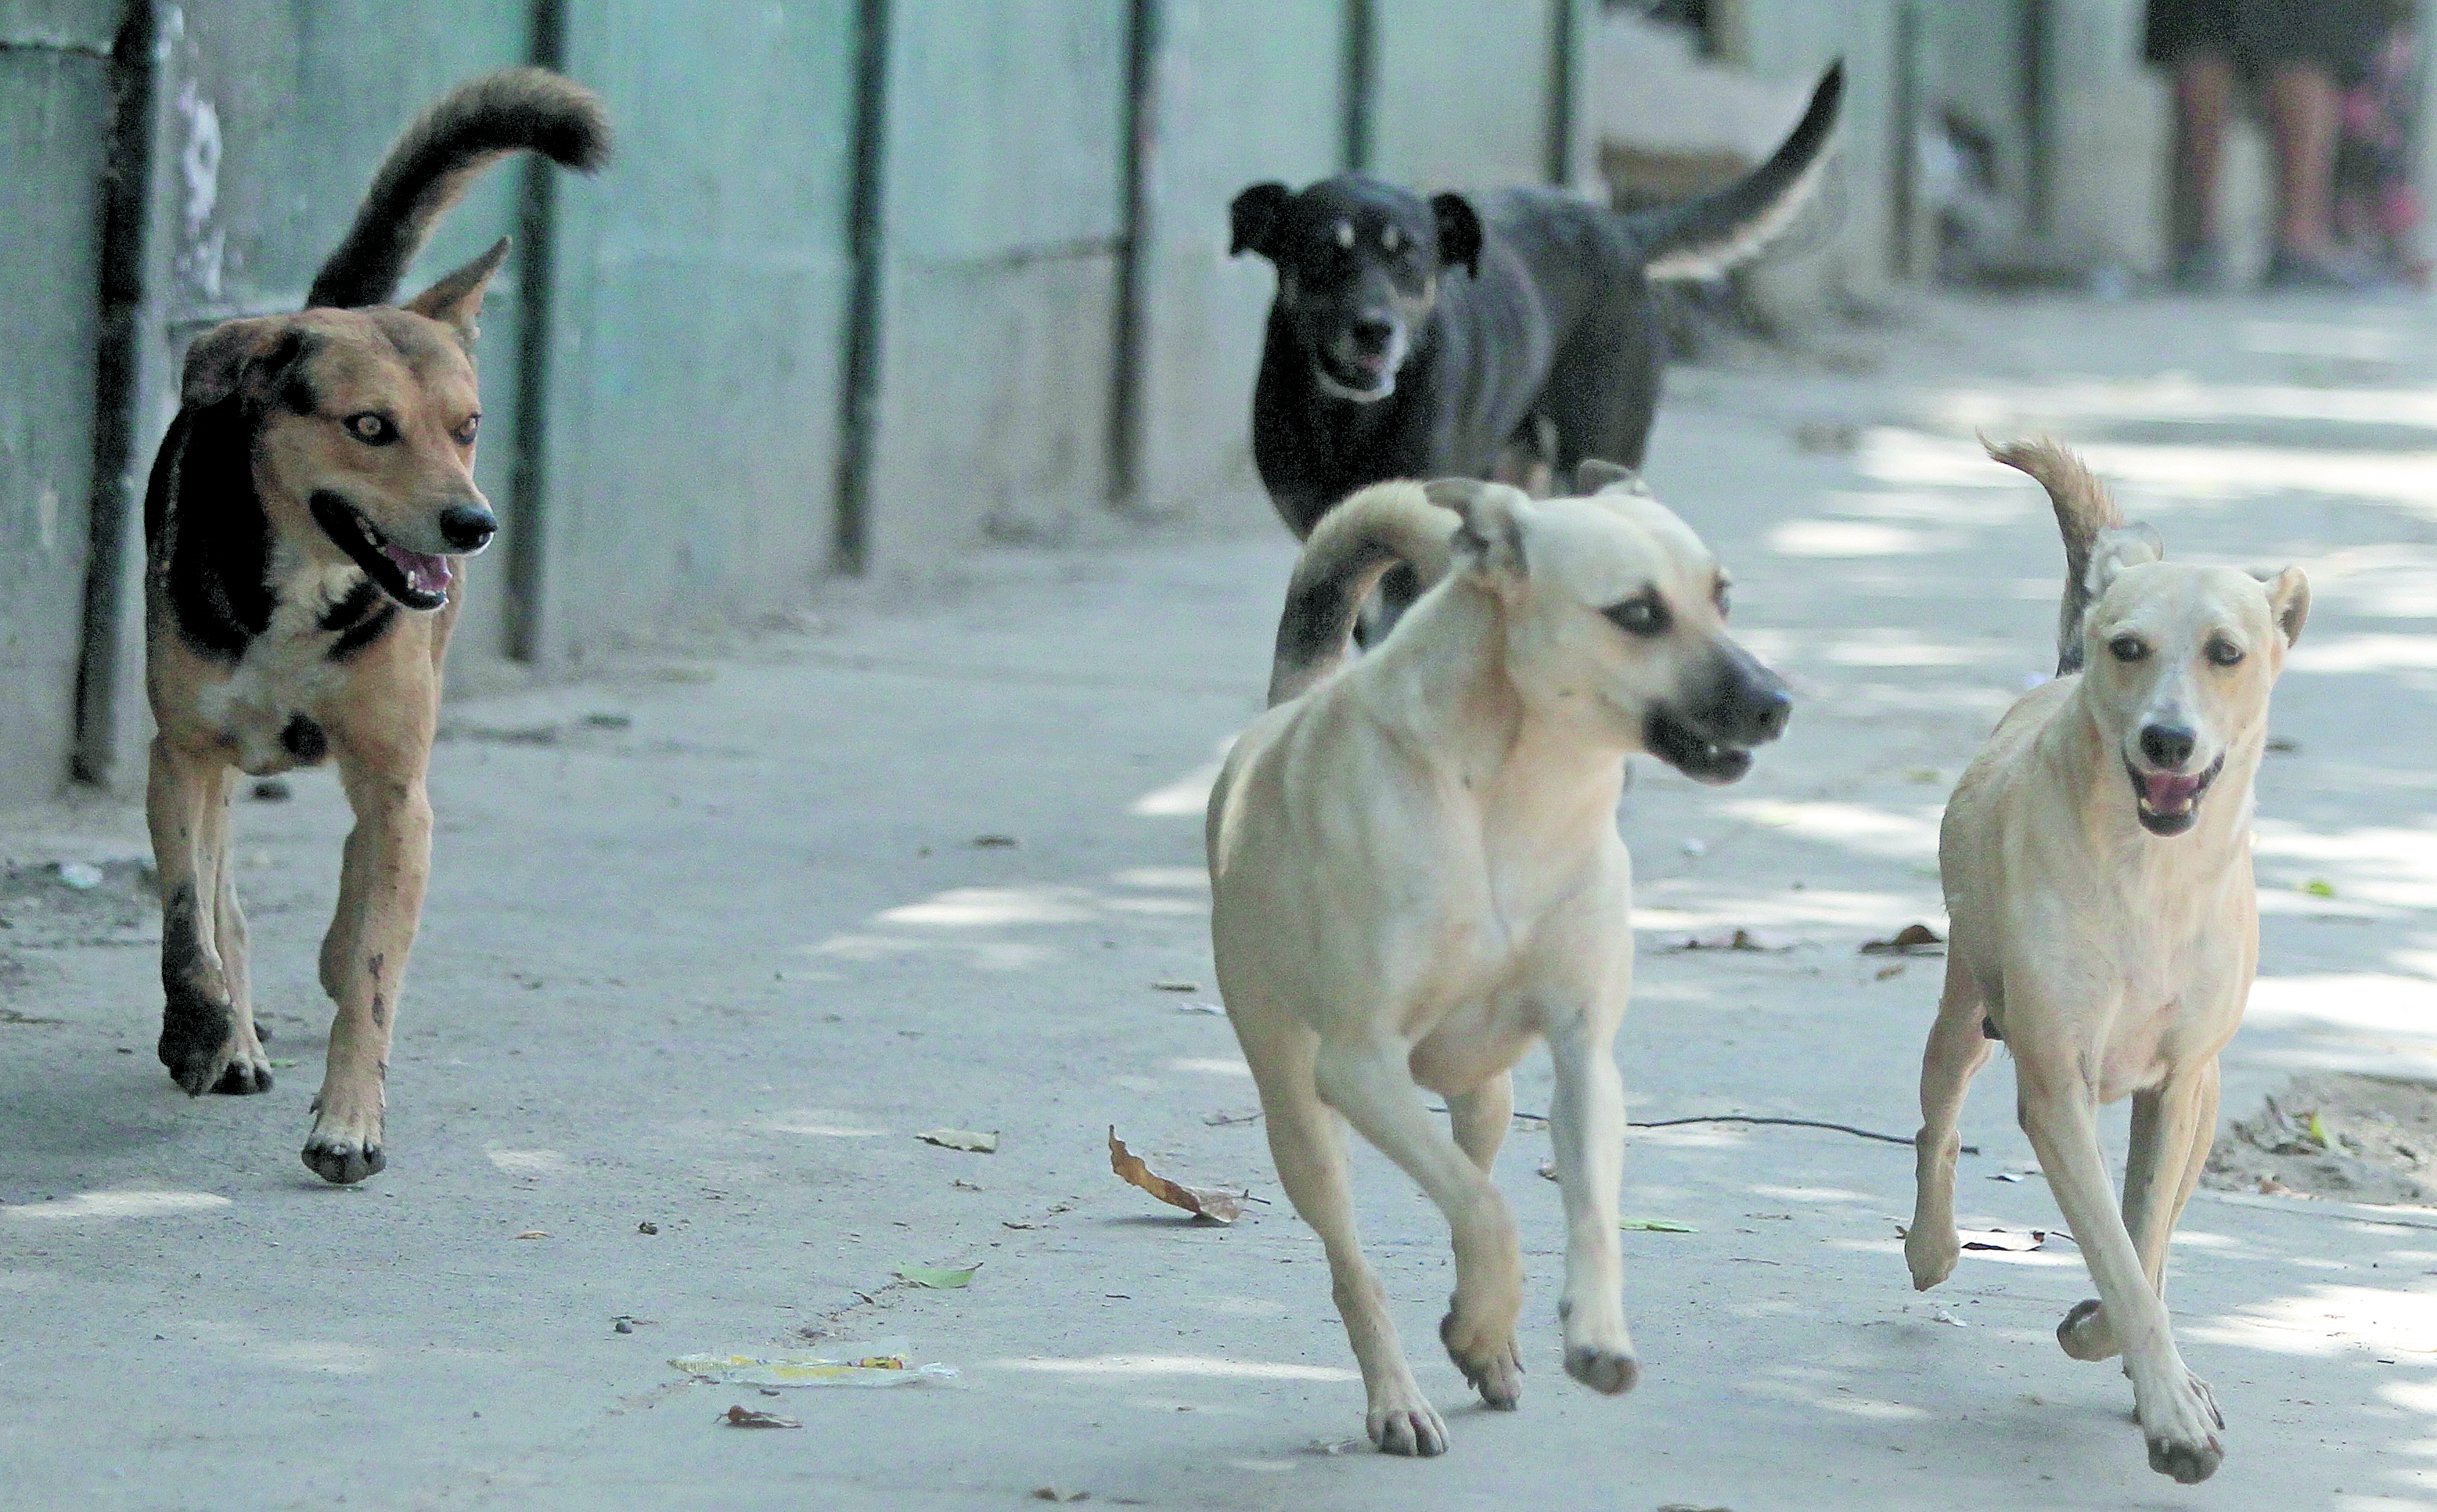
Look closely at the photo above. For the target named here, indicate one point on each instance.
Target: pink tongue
(2169, 791)
(424, 574)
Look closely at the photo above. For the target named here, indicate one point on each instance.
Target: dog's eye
(1642, 614)
(372, 428)
(2128, 648)
(464, 434)
(2223, 652)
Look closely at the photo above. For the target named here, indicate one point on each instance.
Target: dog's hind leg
(2172, 1128)
(380, 901)
(1957, 1048)
(2179, 1419)
(1587, 1129)
(1371, 1085)
(1307, 1141)
(208, 1038)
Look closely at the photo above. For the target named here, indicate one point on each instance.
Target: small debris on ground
(1201, 1008)
(1206, 1202)
(748, 1417)
(622, 1326)
(82, 875)
(2002, 1241)
(1654, 1225)
(1695, 848)
(1051, 1493)
(2284, 745)
(1224, 1119)
(1912, 940)
(1177, 984)
(273, 790)
(936, 1277)
(647, 1226)
(609, 719)
(2316, 888)
(995, 842)
(1826, 437)
(2337, 1135)
(1890, 970)
(968, 1139)
(839, 1365)
(1731, 940)
(535, 1233)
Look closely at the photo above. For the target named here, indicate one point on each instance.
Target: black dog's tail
(1703, 238)
(1349, 551)
(2084, 511)
(438, 157)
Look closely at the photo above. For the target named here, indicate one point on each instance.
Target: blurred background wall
(872, 283)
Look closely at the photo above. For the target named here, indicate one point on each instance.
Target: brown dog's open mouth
(1694, 754)
(2169, 801)
(416, 579)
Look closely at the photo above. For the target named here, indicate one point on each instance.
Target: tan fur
(2113, 959)
(1416, 875)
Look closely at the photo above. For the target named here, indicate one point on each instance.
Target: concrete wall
(55, 115)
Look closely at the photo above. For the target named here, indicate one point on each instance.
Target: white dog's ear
(1490, 540)
(1597, 475)
(2289, 599)
(2113, 550)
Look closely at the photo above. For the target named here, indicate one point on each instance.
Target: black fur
(359, 619)
(304, 740)
(209, 538)
(439, 155)
(1532, 314)
(194, 1024)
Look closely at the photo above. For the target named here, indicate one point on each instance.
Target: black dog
(1414, 339)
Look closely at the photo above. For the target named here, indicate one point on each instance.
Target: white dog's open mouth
(416, 579)
(2169, 801)
(1694, 754)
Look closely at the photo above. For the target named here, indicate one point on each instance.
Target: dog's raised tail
(1704, 237)
(1347, 553)
(439, 157)
(2083, 509)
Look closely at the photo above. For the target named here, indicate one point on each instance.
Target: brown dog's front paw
(344, 1162)
(207, 1051)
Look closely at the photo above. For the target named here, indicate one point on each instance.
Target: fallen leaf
(1202, 1202)
(1912, 940)
(535, 1233)
(647, 1226)
(1177, 984)
(2283, 742)
(1051, 1493)
(1731, 940)
(1893, 968)
(746, 1417)
(1222, 1120)
(995, 842)
(1654, 1225)
(2318, 888)
(980, 1144)
(1998, 1239)
(938, 1278)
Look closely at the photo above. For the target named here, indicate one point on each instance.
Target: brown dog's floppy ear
(217, 360)
(455, 299)
(1491, 537)
(1597, 475)
(1459, 232)
(2289, 599)
(1253, 220)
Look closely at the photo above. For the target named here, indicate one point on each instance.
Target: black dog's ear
(1459, 232)
(1252, 219)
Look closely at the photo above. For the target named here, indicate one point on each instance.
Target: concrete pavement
(710, 940)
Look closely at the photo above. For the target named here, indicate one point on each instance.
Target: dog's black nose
(467, 527)
(2167, 745)
(1771, 706)
(1371, 333)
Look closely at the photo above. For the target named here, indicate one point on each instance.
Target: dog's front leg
(1957, 1048)
(2172, 1128)
(1370, 1085)
(1586, 1126)
(2060, 1114)
(380, 901)
(207, 1034)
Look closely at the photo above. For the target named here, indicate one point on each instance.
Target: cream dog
(2096, 860)
(1417, 874)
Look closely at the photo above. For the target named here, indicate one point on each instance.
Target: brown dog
(300, 531)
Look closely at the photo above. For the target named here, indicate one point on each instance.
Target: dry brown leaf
(535, 1233)
(968, 1139)
(1912, 940)
(748, 1418)
(1202, 1202)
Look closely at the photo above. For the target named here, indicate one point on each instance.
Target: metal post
(851, 545)
(528, 482)
(1360, 86)
(1142, 44)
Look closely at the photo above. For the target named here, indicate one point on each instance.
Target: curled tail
(438, 157)
(2083, 510)
(1348, 551)
(1703, 238)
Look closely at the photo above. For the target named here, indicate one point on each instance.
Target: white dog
(2096, 860)
(1417, 874)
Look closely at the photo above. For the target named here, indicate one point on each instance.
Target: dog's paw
(208, 1055)
(1412, 1427)
(1931, 1251)
(1606, 1369)
(2086, 1334)
(343, 1162)
(1496, 1372)
(2179, 1436)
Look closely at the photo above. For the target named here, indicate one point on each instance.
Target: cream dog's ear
(2113, 550)
(2289, 599)
(1490, 540)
